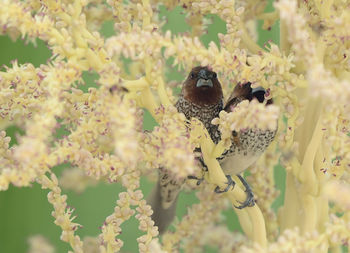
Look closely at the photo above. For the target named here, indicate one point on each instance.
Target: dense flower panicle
(231, 66)
(303, 45)
(91, 245)
(319, 146)
(155, 247)
(215, 236)
(226, 11)
(307, 75)
(146, 225)
(39, 244)
(122, 212)
(5, 152)
(251, 8)
(169, 145)
(76, 180)
(199, 218)
(341, 200)
(96, 15)
(61, 213)
(121, 119)
(291, 241)
(247, 115)
(322, 82)
(337, 230)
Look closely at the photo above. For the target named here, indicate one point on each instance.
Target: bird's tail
(162, 216)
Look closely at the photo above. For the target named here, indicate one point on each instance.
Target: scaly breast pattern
(245, 150)
(204, 113)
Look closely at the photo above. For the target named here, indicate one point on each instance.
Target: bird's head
(246, 92)
(202, 87)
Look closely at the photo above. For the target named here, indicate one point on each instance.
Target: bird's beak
(204, 82)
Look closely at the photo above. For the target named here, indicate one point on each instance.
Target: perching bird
(202, 98)
(248, 145)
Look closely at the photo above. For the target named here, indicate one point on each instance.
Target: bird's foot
(199, 180)
(230, 183)
(250, 196)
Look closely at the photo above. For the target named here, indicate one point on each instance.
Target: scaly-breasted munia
(247, 145)
(202, 98)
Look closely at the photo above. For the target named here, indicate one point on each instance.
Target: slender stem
(164, 99)
(255, 225)
(274, 15)
(284, 44)
(136, 85)
(248, 41)
(307, 174)
(146, 18)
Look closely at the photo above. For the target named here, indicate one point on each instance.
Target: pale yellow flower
(39, 244)
(307, 75)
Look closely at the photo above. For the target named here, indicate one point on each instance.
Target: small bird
(202, 98)
(247, 145)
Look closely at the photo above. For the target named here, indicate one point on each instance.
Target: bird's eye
(214, 75)
(192, 75)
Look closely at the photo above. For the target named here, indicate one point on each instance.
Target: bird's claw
(199, 180)
(250, 196)
(230, 183)
(248, 202)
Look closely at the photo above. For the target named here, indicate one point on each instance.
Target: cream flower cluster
(62, 213)
(199, 218)
(169, 145)
(123, 212)
(247, 115)
(76, 180)
(307, 76)
(39, 244)
(5, 152)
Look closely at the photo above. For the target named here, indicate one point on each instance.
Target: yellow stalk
(323, 212)
(284, 44)
(342, 74)
(148, 69)
(305, 131)
(250, 218)
(218, 149)
(324, 7)
(141, 92)
(244, 218)
(109, 248)
(322, 200)
(307, 174)
(162, 93)
(136, 85)
(321, 162)
(295, 165)
(269, 15)
(320, 49)
(259, 228)
(146, 18)
(288, 215)
(308, 219)
(147, 100)
(248, 41)
(255, 229)
(215, 174)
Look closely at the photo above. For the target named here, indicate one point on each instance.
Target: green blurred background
(25, 212)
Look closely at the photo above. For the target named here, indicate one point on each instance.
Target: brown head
(245, 92)
(202, 87)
